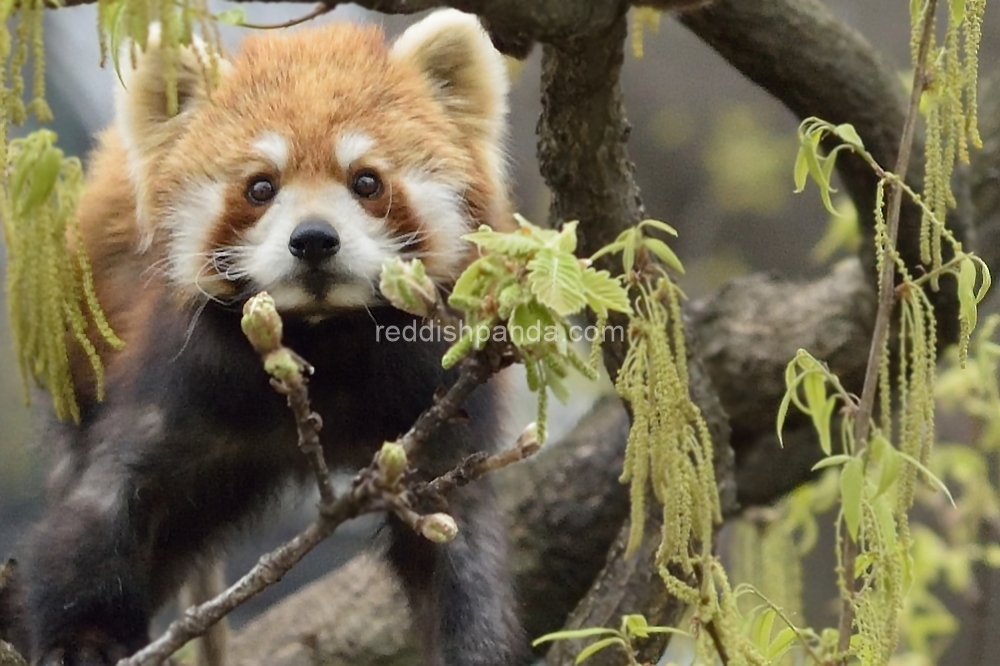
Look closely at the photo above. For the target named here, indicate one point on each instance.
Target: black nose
(314, 241)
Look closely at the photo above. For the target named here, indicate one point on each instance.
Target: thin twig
(886, 305)
(308, 424)
(479, 464)
(317, 11)
(720, 646)
(474, 370)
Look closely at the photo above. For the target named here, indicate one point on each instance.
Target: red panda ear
(142, 114)
(468, 74)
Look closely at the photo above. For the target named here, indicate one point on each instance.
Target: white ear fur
(141, 112)
(456, 55)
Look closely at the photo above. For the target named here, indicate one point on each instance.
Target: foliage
(878, 475)
(632, 627)
(531, 281)
(950, 105)
(129, 22)
(49, 282)
(643, 18)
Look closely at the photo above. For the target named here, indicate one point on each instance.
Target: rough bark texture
(582, 144)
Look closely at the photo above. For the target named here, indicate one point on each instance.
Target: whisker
(190, 329)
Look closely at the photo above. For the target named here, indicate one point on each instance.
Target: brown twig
(479, 464)
(886, 306)
(720, 646)
(317, 11)
(308, 424)
(378, 487)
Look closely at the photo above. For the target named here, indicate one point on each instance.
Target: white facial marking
(274, 148)
(441, 207)
(365, 243)
(190, 222)
(352, 146)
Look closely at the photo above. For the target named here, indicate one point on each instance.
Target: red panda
(317, 155)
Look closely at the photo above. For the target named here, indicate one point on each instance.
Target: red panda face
(319, 155)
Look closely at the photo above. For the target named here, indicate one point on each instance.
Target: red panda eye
(366, 184)
(260, 190)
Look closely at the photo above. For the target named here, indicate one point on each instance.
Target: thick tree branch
(582, 136)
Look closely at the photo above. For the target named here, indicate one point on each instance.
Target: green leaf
(556, 280)
(851, 494)
(801, 173)
(117, 34)
(235, 16)
(792, 380)
(663, 251)
(761, 631)
(628, 252)
(832, 461)
(781, 644)
(528, 323)
(886, 523)
(597, 646)
(967, 293)
(635, 625)
(889, 463)
(604, 293)
(847, 132)
(658, 224)
(566, 240)
(571, 634)
(829, 162)
(818, 406)
(957, 11)
(514, 244)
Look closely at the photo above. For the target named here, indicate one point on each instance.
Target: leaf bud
(392, 462)
(437, 527)
(261, 323)
(406, 285)
(282, 364)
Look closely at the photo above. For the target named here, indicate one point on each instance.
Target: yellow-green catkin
(952, 123)
(49, 283)
(643, 18)
(669, 448)
(127, 21)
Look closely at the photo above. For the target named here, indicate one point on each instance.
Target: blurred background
(714, 158)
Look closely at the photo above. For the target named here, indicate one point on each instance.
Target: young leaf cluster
(632, 627)
(531, 282)
(50, 289)
(970, 271)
